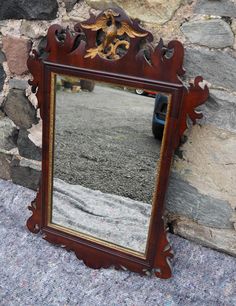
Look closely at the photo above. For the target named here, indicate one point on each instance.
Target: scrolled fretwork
(34, 222)
(163, 266)
(114, 35)
(194, 96)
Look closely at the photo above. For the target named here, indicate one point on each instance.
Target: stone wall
(201, 201)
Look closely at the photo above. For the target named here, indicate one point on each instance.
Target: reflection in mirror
(107, 145)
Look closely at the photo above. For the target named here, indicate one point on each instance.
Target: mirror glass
(107, 143)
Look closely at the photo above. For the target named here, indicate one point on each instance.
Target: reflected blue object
(159, 115)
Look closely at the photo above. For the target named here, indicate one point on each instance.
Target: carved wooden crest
(114, 36)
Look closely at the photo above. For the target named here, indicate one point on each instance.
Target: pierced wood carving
(162, 266)
(90, 45)
(34, 222)
(194, 96)
(113, 36)
(114, 48)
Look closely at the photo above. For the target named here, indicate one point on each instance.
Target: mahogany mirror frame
(155, 68)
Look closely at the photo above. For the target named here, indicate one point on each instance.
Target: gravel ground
(34, 272)
(104, 142)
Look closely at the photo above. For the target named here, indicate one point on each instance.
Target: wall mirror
(114, 109)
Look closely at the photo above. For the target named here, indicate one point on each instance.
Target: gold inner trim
(97, 240)
(50, 178)
(159, 162)
(51, 145)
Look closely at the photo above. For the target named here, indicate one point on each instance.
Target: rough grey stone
(184, 199)
(2, 77)
(25, 173)
(33, 30)
(18, 84)
(217, 67)
(233, 26)
(17, 51)
(214, 33)
(8, 134)
(69, 4)
(5, 161)
(2, 115)
(152, 11)
(2, 57)
(216, 7)
(28, 9)
(219, 239)
(220, 110)
(26, 147)
(19, 109)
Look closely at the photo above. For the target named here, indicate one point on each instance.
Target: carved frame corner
(35, 67)
(162, 267)
(34, 221)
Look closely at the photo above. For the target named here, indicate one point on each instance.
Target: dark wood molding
(88, 52)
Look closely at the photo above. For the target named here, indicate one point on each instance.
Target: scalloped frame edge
(63, 53)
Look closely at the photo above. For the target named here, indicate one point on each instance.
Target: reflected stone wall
(201, 199)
